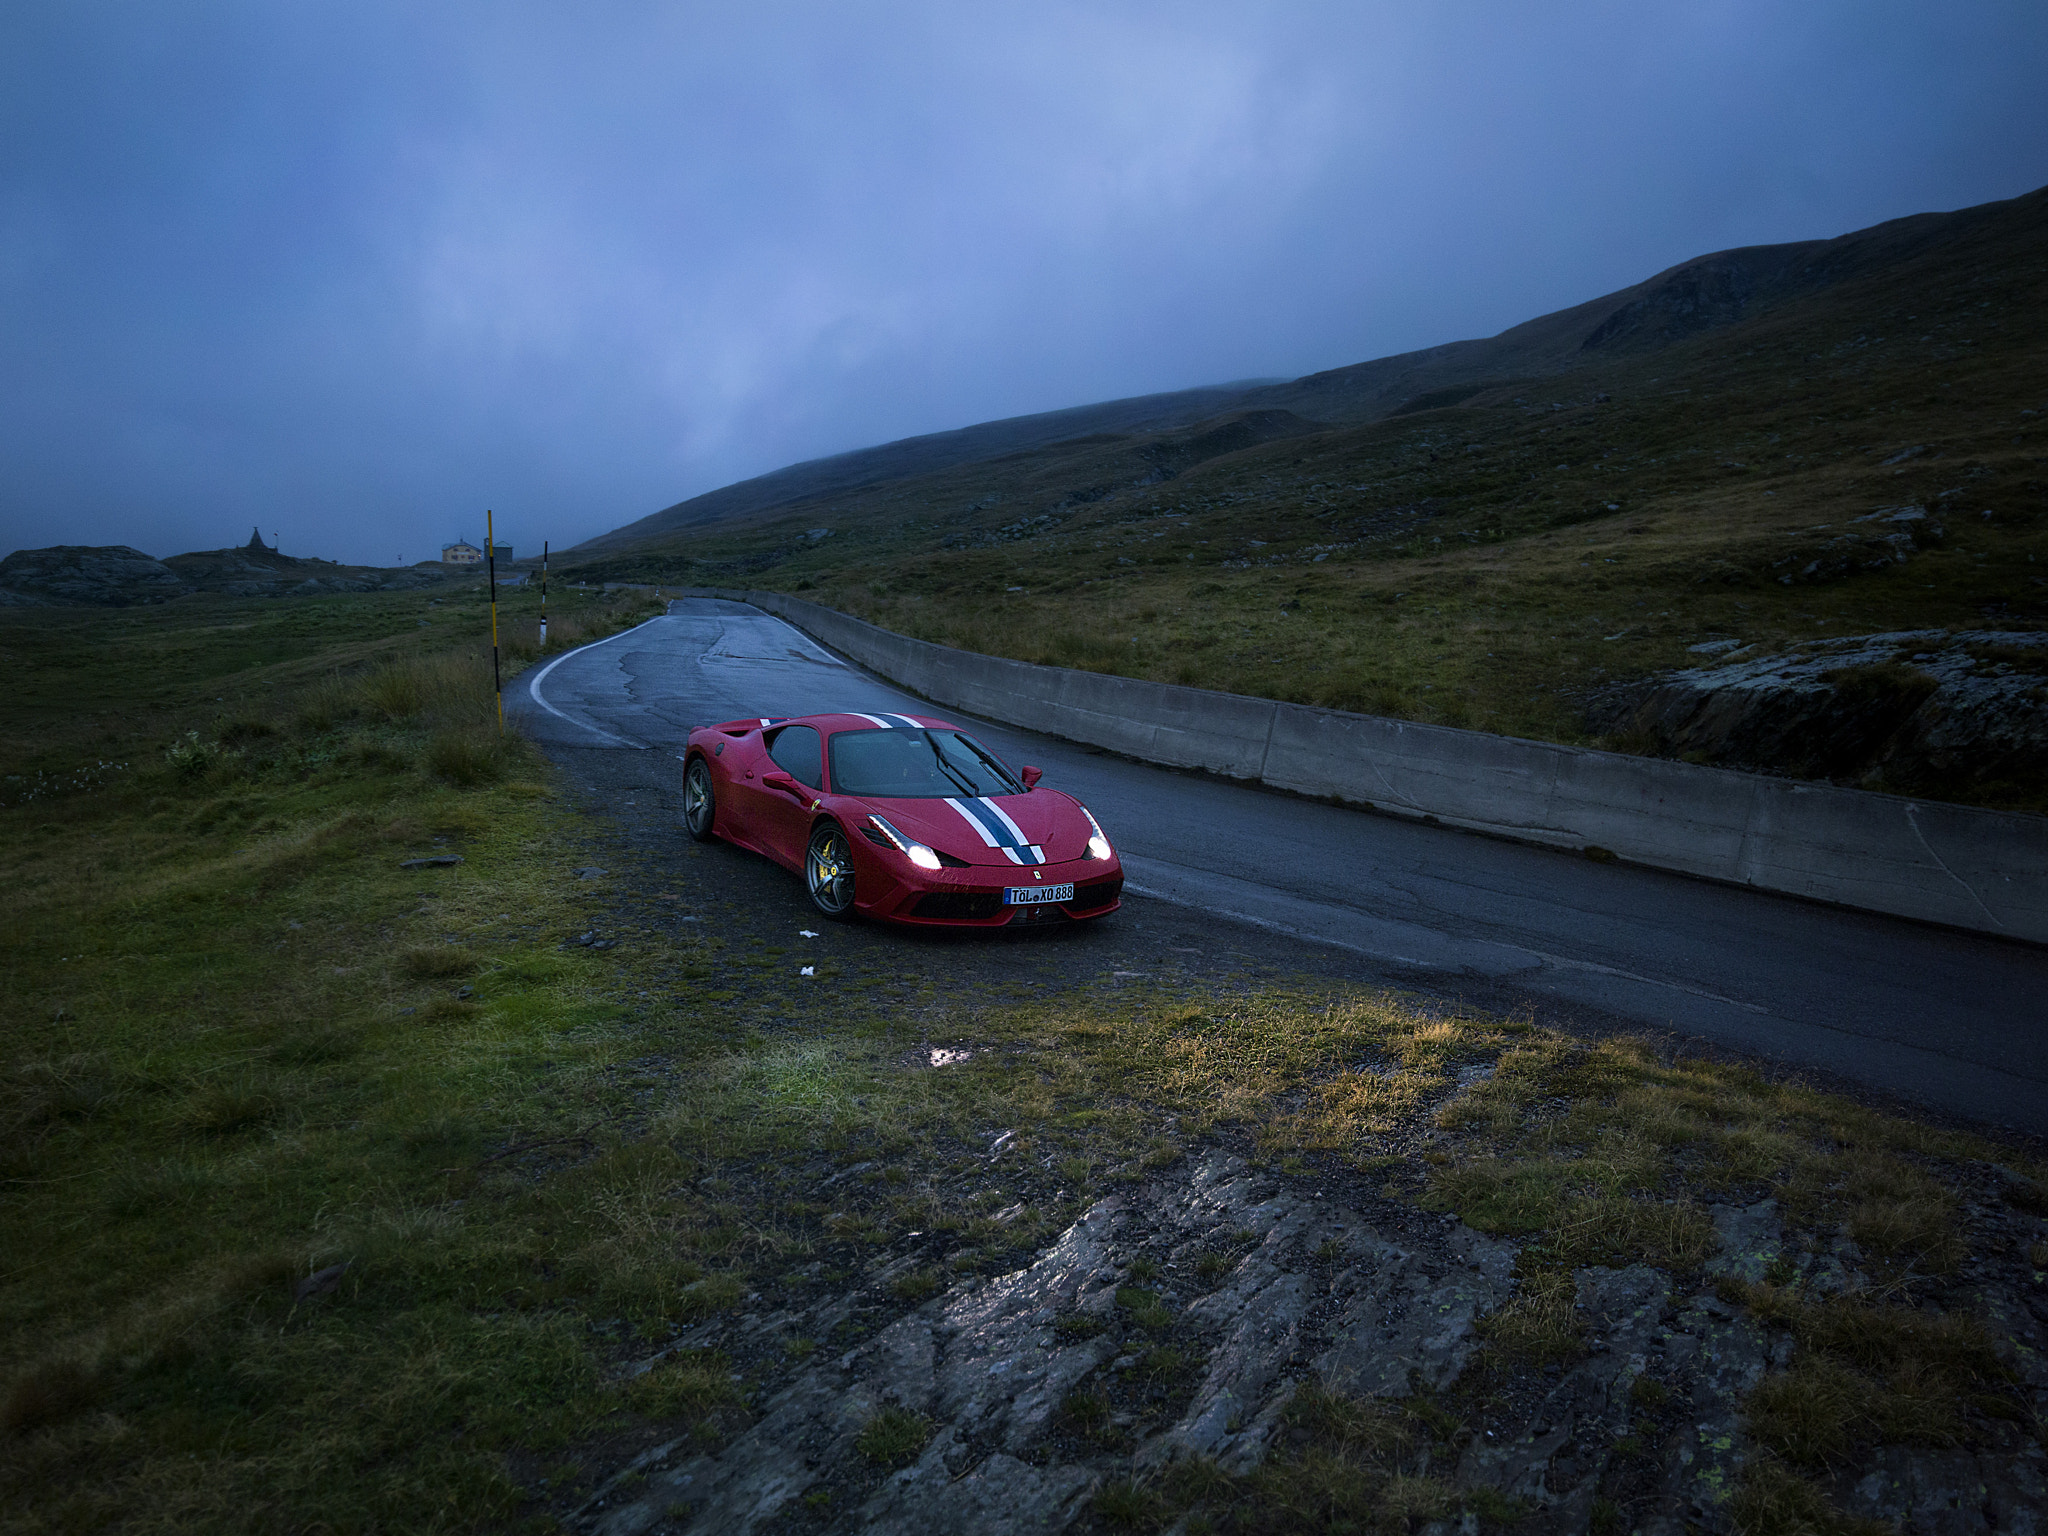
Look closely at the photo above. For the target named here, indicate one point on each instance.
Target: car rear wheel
(700, 805)
(828, 871)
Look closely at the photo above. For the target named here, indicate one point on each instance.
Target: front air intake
(1087, 898)
(958, 906)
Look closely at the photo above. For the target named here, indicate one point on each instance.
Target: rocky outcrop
(1916, 711)
(1260, 1284)
(1873, 542)
(104, 575)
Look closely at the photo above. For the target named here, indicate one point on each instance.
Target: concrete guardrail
(1950, 864)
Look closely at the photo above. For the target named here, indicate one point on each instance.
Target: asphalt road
(1953, 1021)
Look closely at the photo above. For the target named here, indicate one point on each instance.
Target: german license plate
(1030, 895)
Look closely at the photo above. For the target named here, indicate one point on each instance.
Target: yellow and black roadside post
(543, 594)
(491, 564)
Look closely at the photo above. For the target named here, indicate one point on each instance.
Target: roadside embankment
(1935, 862)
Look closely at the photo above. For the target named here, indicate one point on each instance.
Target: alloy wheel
(828, 870)
(700, 806)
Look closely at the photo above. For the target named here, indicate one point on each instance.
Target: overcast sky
(357, 271)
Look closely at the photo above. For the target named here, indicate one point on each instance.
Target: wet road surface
(1953, 1021)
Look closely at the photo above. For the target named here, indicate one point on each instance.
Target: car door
(744, 799)
(785, 818)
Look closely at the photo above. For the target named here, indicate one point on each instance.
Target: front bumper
(973, 897)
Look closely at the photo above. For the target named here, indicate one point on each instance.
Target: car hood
(1044, 817)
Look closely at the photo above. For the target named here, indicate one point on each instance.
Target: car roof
(843, 721)
(878, 721)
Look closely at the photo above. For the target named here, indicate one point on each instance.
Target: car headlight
(917, 853)
(1098, 845)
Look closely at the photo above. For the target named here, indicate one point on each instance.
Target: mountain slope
(1706, 293)
(921, 455)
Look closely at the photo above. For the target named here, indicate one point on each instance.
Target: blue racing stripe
(998, 831)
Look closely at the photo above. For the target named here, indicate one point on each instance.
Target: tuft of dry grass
(1773, 1500)
(1540, 1325)
(222, 1108)
(437, 962)
(468, 756)
(893, 1437)
(916, 1286)
(687, 1385)
(1871, 1374)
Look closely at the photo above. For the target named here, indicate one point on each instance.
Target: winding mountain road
(1953, 1021)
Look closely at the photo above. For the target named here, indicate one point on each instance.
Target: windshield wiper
(1002, 774)
(946, 767)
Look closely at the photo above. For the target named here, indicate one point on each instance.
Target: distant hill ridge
(1706, 293)
(117, 576)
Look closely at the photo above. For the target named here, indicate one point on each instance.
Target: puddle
(950, 1055)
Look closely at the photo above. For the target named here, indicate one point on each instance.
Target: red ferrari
(901, 818)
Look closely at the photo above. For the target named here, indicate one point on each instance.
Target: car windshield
(916, 765)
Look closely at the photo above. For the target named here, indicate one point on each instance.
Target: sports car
(902, 818)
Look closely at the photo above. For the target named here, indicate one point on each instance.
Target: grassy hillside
(1696, 295)
(1497, 555)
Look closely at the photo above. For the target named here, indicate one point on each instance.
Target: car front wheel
(828, 871)
(700, 805)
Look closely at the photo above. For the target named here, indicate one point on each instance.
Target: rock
(1752, 1240)
(321, 1282)
(436, 861)
(1000, 1497)
(591, 872)
(1936, 1491)
(987, 1363)
(108, 576)
(1898, 710)
(1556, 1465)
(1400, 1324)
(1724, 1353)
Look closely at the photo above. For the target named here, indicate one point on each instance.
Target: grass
(225, 1072)
(1499, 562)
(1871, 1374)
(893, 1437)
(340, 1194)
(685, 1387)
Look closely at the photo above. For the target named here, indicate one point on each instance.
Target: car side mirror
(1031, 776)
(775, 778)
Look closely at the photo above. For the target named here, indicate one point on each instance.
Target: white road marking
(533, 686)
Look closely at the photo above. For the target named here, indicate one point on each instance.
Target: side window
(799, 753)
